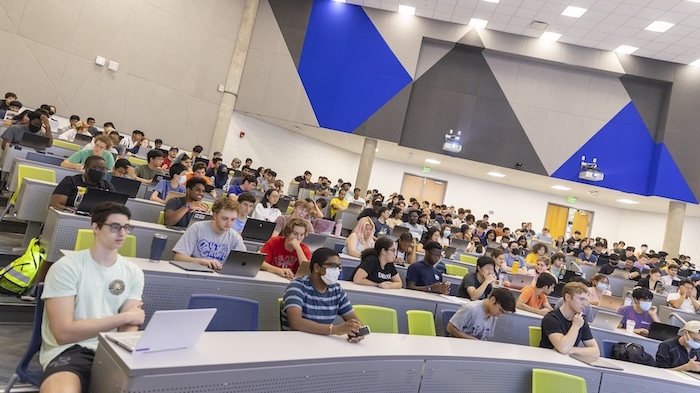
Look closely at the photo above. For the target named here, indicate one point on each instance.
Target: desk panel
(60, 171)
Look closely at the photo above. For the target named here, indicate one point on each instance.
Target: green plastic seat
(455, 270)
(379, 319)
(66, 145)
(86, 238)
(468, 259)
(535, 335)
(548, 381)
(137, 161)
(421, 323)
(29, 172)
(161, 218)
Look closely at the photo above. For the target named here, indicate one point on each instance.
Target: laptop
(45, 158)
(9, 115)
(569, 275)
(595, 362)
(449, 251)
(606, 320)
(143, 152)
(191, 266)
(168, 330)
(611, 302)
(557, 289)
(459, 243)
(257, 230)
(82, 139)
(283, 203)
(34, 141)
(662, 332)
(199, 216)
(398, 231)
(314, 241)
(95, 196)
(620, 273)
(354, 208)
(126, 186)
(242, 263)
(520, 281)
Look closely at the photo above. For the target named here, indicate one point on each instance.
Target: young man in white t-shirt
(686, 299)
(86, 293)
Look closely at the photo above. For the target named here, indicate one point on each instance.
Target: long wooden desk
(388, 363)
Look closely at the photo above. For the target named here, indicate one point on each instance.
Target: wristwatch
(187, 205)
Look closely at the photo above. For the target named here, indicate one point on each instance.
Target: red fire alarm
(242, 134)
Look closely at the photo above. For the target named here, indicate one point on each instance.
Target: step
(16, 311)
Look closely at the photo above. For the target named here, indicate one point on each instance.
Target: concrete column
(674, 228)
(235, 72)
(366, 162)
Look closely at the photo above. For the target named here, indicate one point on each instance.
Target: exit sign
(426, 169)
(571, 199)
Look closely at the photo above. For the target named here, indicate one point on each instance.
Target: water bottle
(339, 227)
(515, 267)
(227, 184)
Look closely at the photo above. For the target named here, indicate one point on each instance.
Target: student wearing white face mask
(176, 183)
(641, 311)
(311, 303)
(600, 285)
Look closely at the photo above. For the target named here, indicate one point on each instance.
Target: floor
(13, 342)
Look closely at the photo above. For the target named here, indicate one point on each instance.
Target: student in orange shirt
(534, 299)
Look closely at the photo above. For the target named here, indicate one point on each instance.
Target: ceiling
(605, 25)
(477, 170)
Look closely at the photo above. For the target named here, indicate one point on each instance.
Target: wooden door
(412, 186)
(556, 220)
(434, 191)
(581, 220)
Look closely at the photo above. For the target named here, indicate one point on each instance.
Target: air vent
(538, 25)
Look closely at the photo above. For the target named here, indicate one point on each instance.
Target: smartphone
(363, 331)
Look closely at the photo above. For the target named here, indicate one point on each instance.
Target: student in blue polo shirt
(423, 276)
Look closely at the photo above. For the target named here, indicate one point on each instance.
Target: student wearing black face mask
(93, 177)
(37, 120)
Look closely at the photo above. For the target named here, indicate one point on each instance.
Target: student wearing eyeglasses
(93, 177)
(86, 293)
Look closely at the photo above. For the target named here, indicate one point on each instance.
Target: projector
(589, 170)
(591, 174)
(453, 142)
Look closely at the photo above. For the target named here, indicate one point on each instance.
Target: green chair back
(137, 161)
(468, 259)
(421, 323)
(86, 238)
(66, 145)
(548, 381)
(535, 335)
(161, 218)
(379, 319)
(455, 270)
(32, 172)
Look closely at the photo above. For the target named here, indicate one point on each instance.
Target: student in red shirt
(286, 252)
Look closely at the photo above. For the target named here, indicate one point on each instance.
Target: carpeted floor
(13, 343)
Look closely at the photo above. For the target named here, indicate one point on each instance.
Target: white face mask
(446, 233)
(331, 276)
(183, 179)
(645, 306)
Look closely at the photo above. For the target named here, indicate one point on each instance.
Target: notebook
(257, 230)
(606, 320)
(595, 362)
(95, 196)
(191, 266)
(242, 263)
(168, 330)
(126, 186)
(661, 331)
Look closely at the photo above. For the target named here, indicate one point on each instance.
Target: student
(246, 202)
(380, 223)
(539, 252)
(37, 121)
(477, 285)
(101, 145)
(338, 204)
(135, 139)
(361, 238)
(301, 210)
(304, 181)
(477, 320)
(681, 353)
(557, 267)
(376, 267)
(564, 328)
(170, 158)
(247, 186)
(267, 209)
(175, 183)
(543, 237)
(600, 285)
(147, 173)
(587, 257)
(405, 249)
(672, 270)
(178, 211)
(199, 169)
(541, 267)
(414, 228)
(641, 311)
(686, 298)
(76, 309)
(9, 98)
(613, 261)
(423, 276)
(93, 177)
(286, 252)
(77, 128)
(534, 299)
(208, 243)
(311, 303)
(651, 281)
(123, 168)
(514, 255)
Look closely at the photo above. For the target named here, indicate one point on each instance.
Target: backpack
(632, 352)
(18, 276)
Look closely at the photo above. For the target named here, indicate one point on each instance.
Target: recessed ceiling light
(550, 36)
(626, 49)
(478, 23)
(492, 1)
(562, 188)
(628, 201)
(339, 1)
(496, 174)
(659, 26)
(432, 161)
(574, 12)
(407, 9)
(696, 63)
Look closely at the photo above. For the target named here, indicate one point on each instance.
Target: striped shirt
(315, 306)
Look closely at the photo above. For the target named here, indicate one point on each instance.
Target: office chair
(24, 373)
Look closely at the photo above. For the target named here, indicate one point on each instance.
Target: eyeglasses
(392, 250)
(332, 265)
(116, 228)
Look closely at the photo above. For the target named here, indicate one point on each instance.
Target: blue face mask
(645, 306)
(693, 344)
(602, 286)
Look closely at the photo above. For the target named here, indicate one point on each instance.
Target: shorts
(77, 360)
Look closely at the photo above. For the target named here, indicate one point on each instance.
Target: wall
(171, 55)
